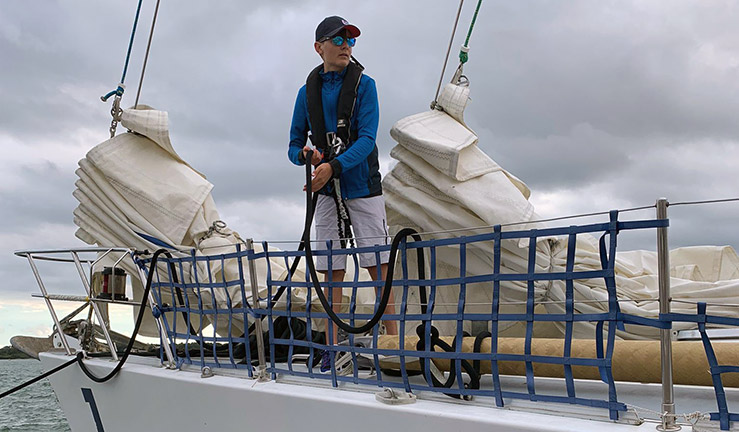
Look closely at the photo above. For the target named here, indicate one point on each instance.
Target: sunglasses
(339, 40)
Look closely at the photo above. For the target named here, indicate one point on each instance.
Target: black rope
(180, 297)
(343, 219)
(136, 328)
(425, 363)
(77, 358)
(400, 236)
(472, 370)
(80, 355)
(293, 267)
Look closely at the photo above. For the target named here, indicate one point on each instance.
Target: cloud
(28, 317)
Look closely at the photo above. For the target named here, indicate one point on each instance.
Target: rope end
(463, 56)
(118, 91)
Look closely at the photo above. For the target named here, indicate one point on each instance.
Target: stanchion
(262, 368)
(663, 267)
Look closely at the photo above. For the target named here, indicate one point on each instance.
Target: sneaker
(325, 361)
(344, 364)
(342, 337)
(318, 356)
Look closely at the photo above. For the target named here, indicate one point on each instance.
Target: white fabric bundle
(135, 183)
(443, 181)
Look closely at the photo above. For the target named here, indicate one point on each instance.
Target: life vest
(327, 143)
(344, 110)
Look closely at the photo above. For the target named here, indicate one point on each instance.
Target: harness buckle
(335, 143)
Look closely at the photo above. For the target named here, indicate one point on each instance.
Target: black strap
(345, 108)
(343, 217)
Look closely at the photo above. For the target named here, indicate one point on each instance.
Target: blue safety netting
(702, 318)
(183, 288)
(200, 330)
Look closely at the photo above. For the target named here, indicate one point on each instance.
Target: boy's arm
(298, 129)
(368, 118)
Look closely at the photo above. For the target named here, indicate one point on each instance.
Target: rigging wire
(146, 56)
(115, 111)
(130, 42)
(723, 200)
(121, 88)
(488, 227)
(448, 51)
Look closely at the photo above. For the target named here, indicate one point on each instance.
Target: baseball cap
(334, 24)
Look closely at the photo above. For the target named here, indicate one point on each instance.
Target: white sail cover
(135, 183)
(443, 181)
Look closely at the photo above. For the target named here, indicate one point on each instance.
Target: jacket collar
(332, 76)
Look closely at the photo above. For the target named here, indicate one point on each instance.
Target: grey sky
(595, 105)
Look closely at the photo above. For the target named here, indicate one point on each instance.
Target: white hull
(147, 397)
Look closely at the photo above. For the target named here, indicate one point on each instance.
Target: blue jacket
(360, 169)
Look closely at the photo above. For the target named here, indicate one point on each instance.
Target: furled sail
(443, 181)
(135, 191)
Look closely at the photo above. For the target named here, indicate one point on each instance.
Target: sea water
(32, 409)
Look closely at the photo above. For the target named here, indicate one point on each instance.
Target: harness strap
(344, 221)
(331, 144)
(344, 112)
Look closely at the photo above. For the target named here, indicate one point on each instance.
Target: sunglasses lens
(339, 41)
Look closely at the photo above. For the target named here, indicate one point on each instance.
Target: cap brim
(352, 29)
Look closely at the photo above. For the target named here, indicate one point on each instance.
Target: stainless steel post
(663, 267)
(171, 364)
(103, 325)
(41, 286)
(262, 368)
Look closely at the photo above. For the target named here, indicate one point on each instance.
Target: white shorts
(369, 225)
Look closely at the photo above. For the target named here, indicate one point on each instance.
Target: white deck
(145, 396)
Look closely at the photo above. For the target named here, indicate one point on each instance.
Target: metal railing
(245, 313)
(74, 256)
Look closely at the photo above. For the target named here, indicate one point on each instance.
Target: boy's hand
(317, 156)
(321, 176)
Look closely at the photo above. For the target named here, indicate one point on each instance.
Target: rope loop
(118, 92)
(463, 54)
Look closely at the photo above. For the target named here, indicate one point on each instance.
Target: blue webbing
(242, 285)
(530, 315)
(353, 309)
(723, 415)
(608, 321)
(570, 312)
(494, 317)
(459, 339)
(403, 307)
(155, 241)
(613, 316)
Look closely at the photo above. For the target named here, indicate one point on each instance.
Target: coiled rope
(400, 236)
(473, 370)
